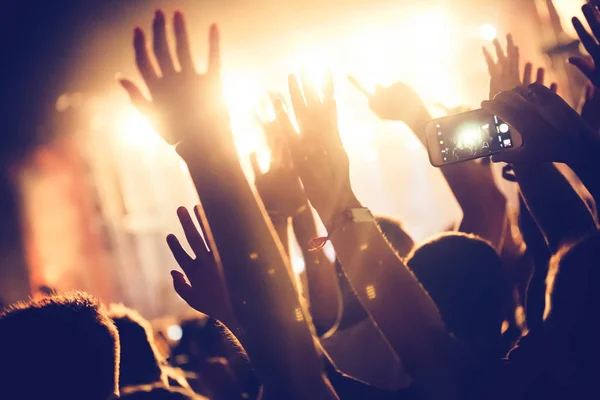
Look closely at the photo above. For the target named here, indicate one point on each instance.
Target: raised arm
(484, 209)
(257, 274)
(284, 199)
(587, 166)
(377, 274)
(555, 205)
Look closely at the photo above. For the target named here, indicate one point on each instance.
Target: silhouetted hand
(590, 109)
(397, 102)
(589, 67)
(504, 72)
(206, 291)
(279, 188)
(184, 103)
(552, 131)
(318, 152)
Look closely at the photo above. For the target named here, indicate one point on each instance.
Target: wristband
(356, 215)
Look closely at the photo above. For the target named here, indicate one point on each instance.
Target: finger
(159, 43)
(292, 138)
(541, 74)
(586, 39)
(590, 90)
(499, 53)
(298, 102)
(136, 96)
(311, 94)
(527, 74)
(204, 232)
(554, 87)
(182, 288)
(359, 86)
(585, 66)
(182, 43)
(512, 54)
(214, 51)
(191, 232)
(181, 256)
(492, 68)
(142, 59)
(591, 15)
(254, 164)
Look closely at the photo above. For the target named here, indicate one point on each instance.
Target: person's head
(464, 276)
(154, 392)
(572, 301)
(60, 347)
(139, 362)
(396, 235)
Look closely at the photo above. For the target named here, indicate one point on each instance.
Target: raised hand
(539, 77)
(280, 187)
(504, 72)
(589, 67)
(552, 131)
(183, 103)
(318, 152)
(397, 102)
(206, 290)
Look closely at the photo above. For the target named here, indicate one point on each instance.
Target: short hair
(61, 347)
(153, 392)
(140, 360)
(396, 235)
(465, 277)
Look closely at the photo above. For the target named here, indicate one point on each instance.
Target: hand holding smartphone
(467, 136)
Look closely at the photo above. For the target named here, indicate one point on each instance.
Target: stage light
(488, 32)
(468, 137)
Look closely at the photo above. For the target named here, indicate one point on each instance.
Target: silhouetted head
(464, 276)
(573, 294)
(396, 235)
(571, 323)
(140, 360)
(153, 392)
(60, 347)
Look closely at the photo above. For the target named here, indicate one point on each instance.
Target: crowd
(499, 307)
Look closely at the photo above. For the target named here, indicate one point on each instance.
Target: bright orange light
(136, 130)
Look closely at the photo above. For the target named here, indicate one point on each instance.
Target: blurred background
(88, 191)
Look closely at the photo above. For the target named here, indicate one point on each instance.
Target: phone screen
(470, 135)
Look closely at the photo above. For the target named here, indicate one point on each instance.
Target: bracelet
(362, 214)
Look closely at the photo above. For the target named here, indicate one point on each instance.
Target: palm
(279, 188)
(182, 102)
(318, 152)
(206, 291)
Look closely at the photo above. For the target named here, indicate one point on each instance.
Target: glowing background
(433, 46)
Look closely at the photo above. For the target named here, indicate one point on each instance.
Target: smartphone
(468, 135)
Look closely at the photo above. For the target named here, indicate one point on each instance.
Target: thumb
(136, 96)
